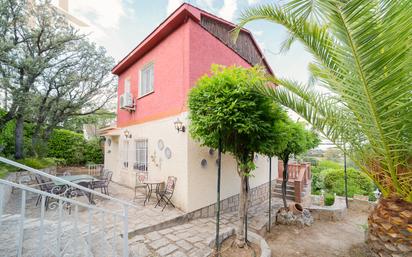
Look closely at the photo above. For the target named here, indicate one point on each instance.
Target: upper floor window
(146, 80)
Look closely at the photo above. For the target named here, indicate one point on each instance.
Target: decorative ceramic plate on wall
(160, 144)
(168, 153)
(203, 163)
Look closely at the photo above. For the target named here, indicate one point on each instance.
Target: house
(154, 81)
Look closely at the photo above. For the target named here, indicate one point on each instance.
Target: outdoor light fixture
(127, 134)
(179, 126)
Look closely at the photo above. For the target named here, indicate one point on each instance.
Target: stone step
(289, 197)
(288, 191)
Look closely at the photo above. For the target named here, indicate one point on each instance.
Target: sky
(119, 25)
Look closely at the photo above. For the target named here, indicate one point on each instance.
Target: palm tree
(362, 53)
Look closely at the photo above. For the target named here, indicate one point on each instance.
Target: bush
(73, 148)
(68, 145)
(3, 172)
(94, 152)
(329, 199)
(37, 163)
(318, 177)
(358, 183)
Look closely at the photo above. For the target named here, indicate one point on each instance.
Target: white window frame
(141, 145)
(150, 90)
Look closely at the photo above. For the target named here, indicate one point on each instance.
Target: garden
(328, 178)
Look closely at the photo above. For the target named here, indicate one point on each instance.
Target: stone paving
(186, 240)
(192, 239)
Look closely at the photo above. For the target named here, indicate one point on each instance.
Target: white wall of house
(159, 166)
(202, 180)
(196, 185)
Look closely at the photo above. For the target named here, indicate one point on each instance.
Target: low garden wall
(338, 210)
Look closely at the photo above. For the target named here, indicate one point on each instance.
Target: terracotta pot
(296, 208)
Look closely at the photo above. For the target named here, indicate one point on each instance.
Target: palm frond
(363, 56)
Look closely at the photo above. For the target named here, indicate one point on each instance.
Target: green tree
(48, 70)
(363, 56)
(295, 140)
(226, 106)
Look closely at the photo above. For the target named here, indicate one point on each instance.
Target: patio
(159, 233)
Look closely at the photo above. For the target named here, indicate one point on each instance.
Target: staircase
(67, 227)
(298, 185)
(290, 190)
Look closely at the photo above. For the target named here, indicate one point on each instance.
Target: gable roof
(246, 46)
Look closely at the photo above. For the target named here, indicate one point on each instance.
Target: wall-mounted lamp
(127, 134)
(179, 126)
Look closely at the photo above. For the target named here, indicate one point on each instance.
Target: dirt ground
(343, 238)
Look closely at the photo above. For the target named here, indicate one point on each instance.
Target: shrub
(3, 172)
(358, 183)
(94, 151)
(329, 199)
(68, 145)
(318, 177)
(37, 163)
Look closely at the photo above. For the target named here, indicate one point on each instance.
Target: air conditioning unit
(126, 101)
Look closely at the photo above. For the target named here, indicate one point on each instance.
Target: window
(141, 155)
(127, 85)
(146, 80)
(125, 154)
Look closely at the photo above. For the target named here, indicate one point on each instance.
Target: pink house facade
(154, 81)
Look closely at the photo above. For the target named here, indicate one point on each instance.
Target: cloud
(172, 5)
(228, 10)
(103, 14)
(258, 32)
(252, 2)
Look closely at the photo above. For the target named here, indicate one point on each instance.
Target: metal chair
(141, 177)
(47, 185)
(103, 184)
(167, 193)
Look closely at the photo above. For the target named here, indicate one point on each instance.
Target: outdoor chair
(141, 177)
(47, 185)
(167, 193)
(103, 184)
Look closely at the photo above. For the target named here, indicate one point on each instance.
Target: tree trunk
(390, 228)
(18, 137)
(285, 181)
(243, 207)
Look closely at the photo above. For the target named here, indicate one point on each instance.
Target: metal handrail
(65, 199)
(27, 168)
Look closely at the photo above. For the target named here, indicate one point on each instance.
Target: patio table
(150, 185)
(77, 179)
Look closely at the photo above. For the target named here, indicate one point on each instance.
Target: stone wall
(257, 195)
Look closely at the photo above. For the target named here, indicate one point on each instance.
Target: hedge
(73, 148)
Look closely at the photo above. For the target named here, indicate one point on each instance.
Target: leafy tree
(296, 140)
(226, 106)
(363, 56)
(49, 71)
